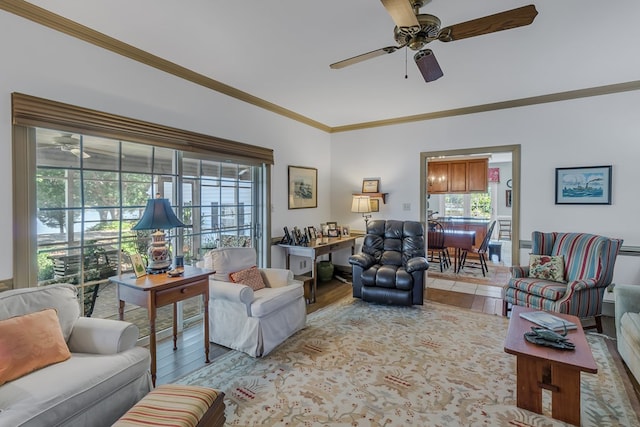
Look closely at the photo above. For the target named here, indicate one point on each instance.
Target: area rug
(361, 364)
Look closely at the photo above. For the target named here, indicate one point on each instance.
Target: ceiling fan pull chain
(406, 73)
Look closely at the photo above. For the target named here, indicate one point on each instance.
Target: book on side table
(548, 320)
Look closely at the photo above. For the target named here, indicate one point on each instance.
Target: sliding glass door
(90, 192)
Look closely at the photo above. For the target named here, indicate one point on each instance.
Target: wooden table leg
(565, 403)
(121, 310)
(175, 326)
(152, 341)
(314, 280)
(529, 394)
(206, 327)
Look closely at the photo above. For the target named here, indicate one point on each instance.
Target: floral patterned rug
(361, 364)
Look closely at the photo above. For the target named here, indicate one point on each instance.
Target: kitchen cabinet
(477, 175)
(458, 176)
(437, 180)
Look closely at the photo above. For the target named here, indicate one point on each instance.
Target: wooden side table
(157, 290)
(556, 370)
(316, 249)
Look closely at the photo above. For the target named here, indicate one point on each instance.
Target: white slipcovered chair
(254, 322)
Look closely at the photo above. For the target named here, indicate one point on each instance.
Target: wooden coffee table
(548, 368)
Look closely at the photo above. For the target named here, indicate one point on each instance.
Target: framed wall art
(589, 185)
(303, 187)
(374, 204)
(138, 265)
(371, 186)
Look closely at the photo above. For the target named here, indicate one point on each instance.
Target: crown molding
(72, 28)
(502, 105)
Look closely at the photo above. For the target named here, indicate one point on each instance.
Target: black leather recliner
(391, 267)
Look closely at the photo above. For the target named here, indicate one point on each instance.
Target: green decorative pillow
(547, 267)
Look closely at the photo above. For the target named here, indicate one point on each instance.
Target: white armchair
(240, 318)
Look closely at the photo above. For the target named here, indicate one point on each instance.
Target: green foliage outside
(481, 205)
(45, 267)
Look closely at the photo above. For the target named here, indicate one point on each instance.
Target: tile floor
(465, 287)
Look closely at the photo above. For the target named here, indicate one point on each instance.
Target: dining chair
(504, 229)
(438, 252)
(481, 252)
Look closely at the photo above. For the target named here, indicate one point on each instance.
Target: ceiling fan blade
(364, 57)
(401, 12)
(489, 24)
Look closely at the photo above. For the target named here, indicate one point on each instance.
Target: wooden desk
(541, 367)
(316, 249)
(458, 239)
(157, 290)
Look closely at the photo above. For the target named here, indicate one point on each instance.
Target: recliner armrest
(362, 260)
(416, 264)
(102, 336)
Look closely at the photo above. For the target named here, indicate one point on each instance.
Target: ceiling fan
(414, 30)
(69, 144)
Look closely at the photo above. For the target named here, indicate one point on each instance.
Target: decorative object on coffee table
(548, 338)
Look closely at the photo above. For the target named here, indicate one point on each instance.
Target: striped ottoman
(174, 405)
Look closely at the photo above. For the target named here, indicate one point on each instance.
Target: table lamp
(362, 204)
(158, 216)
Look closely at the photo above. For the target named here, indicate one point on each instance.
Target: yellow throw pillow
(547, 267)
(250, 277)
(30, 342)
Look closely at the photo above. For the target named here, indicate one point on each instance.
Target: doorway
(514, 185)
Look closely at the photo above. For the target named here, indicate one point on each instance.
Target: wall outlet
(406, 206)
(303, 264)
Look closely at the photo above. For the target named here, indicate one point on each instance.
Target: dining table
(459, 240)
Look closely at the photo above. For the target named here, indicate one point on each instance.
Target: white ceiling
(280, 51)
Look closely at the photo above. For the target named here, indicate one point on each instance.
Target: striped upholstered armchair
(587, 260)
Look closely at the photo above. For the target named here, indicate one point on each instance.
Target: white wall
(45, 63)
(586, 132)
(596, 131)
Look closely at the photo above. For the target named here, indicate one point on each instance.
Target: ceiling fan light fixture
(428, 65)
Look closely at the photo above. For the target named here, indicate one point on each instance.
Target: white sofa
(254, 322)
(627, 309)
(104, 377)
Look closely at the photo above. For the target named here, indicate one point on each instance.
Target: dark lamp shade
(428, 65)
(158, 215)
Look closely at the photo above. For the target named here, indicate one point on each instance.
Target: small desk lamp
(158, 216)
(362, 204)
